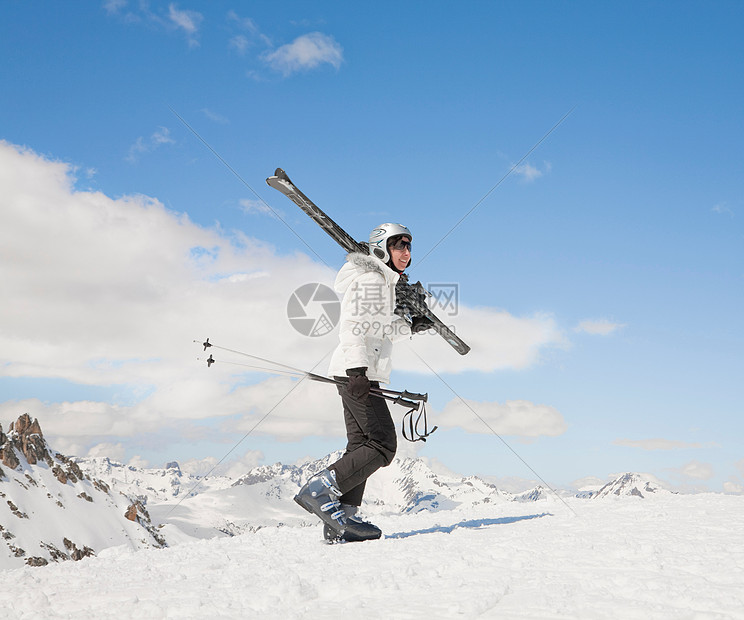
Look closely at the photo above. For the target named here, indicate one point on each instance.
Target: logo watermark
(370, 299)
(314, 310)
(445, 297)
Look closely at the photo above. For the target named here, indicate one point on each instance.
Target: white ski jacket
(368, 325)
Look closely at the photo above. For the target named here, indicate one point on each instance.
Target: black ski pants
(372, 442)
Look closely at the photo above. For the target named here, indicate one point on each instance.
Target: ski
(411, 298)
(280, 181)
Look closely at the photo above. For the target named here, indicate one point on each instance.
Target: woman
(367, 329)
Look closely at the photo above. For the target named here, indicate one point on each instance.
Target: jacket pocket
(374, 351)
(384, 358)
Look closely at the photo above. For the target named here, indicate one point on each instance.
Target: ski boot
(320, 496)
(356, 530)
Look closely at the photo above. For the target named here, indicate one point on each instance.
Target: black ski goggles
(401, 244)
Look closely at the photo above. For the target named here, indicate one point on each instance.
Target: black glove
(358, 385)
(420, 324)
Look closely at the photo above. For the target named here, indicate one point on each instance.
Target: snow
(626, 557)
(453, 547)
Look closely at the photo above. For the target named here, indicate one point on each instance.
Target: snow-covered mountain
(53, 507)
(533, 495)
(410, 486)
(405, 486)
(50, 510)
(637, 485)
(192, 507)
(263, 497)
(150, 484)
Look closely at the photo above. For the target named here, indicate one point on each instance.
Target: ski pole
(417, 402)
(403, 398)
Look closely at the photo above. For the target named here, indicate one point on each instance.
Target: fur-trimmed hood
(357, 264)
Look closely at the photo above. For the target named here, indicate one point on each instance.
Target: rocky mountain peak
(25, 436)
(24, 426)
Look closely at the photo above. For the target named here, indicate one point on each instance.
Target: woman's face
(400, 252)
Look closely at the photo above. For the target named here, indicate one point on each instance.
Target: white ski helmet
(378, 239)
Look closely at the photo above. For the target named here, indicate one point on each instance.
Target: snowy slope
(51, 511)
(666, 557)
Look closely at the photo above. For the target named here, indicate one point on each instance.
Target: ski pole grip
(405, 403)
(414, 396)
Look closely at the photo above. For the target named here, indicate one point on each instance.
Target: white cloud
(298, 409)
(114, 292)
(734, 483)
(589, 483)
(232, 468)
(114, 6)
(697, 470)
(740, 466)
(598, 327)
(245, 23)
(161, 136)
(497, 339)
(215, 117)
(306, 52)
(249, 206)
(656, 444)
(530, 173)
(185, 21)
(143, 145)
(527, 172)
(722, 208)
(249, 33)
(114, 451)
(433, 463)
(188, 21)
(101, 291)
(512, 484)
(514, 417)
(240, 43)
(138, 461)
(140, 146)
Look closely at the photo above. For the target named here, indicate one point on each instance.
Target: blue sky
(600, 283)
